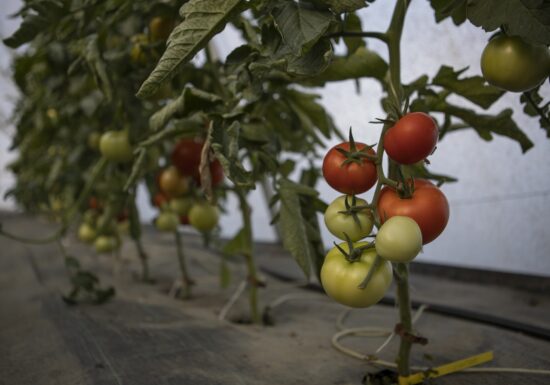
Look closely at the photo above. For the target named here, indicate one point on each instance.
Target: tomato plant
(349, 216)
(399, 239)
(428, 207)
(342, 278)
(347, 169)
(412, 138)
(511, 63)
(160, 27)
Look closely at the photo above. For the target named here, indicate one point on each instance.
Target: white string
(240, 289)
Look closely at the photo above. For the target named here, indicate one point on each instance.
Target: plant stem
(249, 258)
(394, 34)
(375, 35)
(143, 260)
(186, 281)
(404, 303)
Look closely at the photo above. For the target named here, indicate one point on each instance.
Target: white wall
(500, 209)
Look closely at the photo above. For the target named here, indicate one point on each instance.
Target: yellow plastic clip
(442, 370)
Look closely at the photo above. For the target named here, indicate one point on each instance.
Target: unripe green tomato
(137, 54)
(106, 243)
(510, 63)
(160, 27)
(114, 146)
(399, 239)
(181, 206)
(86, 233)
(341, 278)
(90, 217)
(203, 216)
(167, 221)
(339, 223)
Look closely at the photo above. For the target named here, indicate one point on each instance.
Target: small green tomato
(399, 239)
(339, 222)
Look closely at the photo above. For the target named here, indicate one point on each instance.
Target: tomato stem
(186, 281)
(253, 279)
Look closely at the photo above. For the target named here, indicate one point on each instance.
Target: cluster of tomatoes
(409, 213)
(99, 229)
(178, 198)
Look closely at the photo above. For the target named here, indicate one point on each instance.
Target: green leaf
(313, 62)
(529, 19)
(300, 27)
(419, 170)
(238, 245)
(352, 23)
(202, 19)
(97, 67)
(341, 6)
(190, 100)
(485, 125)
(225, 143)
(533, 106)
(310, 113)
(47, 13)
(456, 9)
(472, 88)
(362, 63)
(294, 231)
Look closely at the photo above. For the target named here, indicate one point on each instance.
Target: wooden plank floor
(144, 337)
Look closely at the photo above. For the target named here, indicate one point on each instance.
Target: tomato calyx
(354, 253)
(354, 155)
(354, 209)
(372, 269)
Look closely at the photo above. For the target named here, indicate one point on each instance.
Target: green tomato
(203, 216)
(106, 243)
(341, 278)
(167, 221)
(86, 233)
(339, 223)
(510, 63)
(114, 146)
(399, 239)
(181, 206)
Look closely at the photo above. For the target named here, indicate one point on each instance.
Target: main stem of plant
(186, 281)
(253, 280)
(393, 35)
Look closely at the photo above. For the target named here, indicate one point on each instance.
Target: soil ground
(145, 337)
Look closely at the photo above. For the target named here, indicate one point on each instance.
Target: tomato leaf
(529, 19)
(202, 19)
(238, 245)
(420, 170)
(311, 114)
(362, 63)
(472, 88)
(455, 9)
(190, 100)
(352, 23)
(341, 6)
(300, 27)
(294, 231)
(533, 106)
(46, 13)
(485, 125)
(225, 145)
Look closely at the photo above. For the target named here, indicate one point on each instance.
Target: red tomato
(186, 156)
(428, 206)
(350, 178)
(412, 138)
